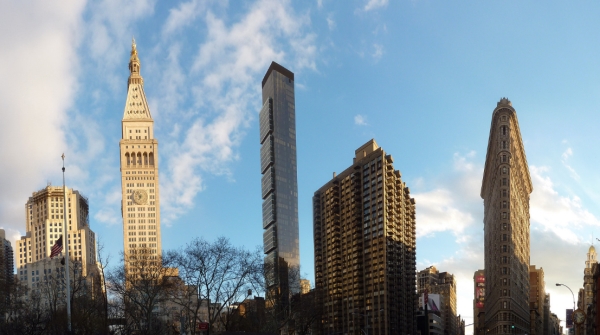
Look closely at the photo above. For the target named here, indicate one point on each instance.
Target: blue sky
(421, 77)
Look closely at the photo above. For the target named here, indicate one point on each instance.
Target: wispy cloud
(565, 161)
(224, 97)
(360, 120)
(330, 22)
(374, 4)
(377, 51)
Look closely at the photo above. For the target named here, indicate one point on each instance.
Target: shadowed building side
(505, 190)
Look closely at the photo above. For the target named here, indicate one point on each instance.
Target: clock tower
(140, 204)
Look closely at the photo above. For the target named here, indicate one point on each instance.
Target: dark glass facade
(279, 181)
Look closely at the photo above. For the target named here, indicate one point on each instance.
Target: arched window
(151, 159)
(128, 158)
(145, 159)
(139, 158)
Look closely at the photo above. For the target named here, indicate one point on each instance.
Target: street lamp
(557, 284)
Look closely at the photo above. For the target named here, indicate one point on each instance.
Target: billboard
(569, 318)
(433, 302)
(479, 291)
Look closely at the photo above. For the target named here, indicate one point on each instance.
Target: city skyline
(412, 76)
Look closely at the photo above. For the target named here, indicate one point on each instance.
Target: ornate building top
(136, 105)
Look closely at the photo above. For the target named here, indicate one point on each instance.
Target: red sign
(203, 326)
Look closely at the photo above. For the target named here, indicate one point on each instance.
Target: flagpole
(66, 241)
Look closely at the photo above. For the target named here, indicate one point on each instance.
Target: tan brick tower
(140, 202)
(365, 248)
(505, 191)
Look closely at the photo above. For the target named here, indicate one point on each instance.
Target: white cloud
(454, 202)
(111, 23)
(360, 120)
(377, 51)
(554, 212)
(330, 22)
(225, 76)
(38, 71)
(374, 4)
(183, 16)
(565, 161)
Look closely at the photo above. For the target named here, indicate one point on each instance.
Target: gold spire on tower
(134, 66)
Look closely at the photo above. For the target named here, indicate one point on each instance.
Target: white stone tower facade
(140, 202)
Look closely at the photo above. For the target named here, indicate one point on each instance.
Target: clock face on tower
(140, 197)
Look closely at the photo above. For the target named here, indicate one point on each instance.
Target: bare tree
(217, 276)
(140, 292)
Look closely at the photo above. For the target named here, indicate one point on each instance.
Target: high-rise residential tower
(6, 260)
(505, 191)
(44, 225)
(365, 248)
(140, 202)
(444, 284)
(279, 182)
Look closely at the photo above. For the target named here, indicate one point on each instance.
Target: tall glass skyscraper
(279, 183)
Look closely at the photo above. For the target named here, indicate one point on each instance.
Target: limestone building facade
(44, 225)
(365, 248)
(140, 202)
(505, 191)
(444, 284)
(537, 298)
(588, 277)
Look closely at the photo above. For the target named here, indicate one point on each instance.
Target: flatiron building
(505, 191)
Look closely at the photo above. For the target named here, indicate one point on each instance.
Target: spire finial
(134, 62)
